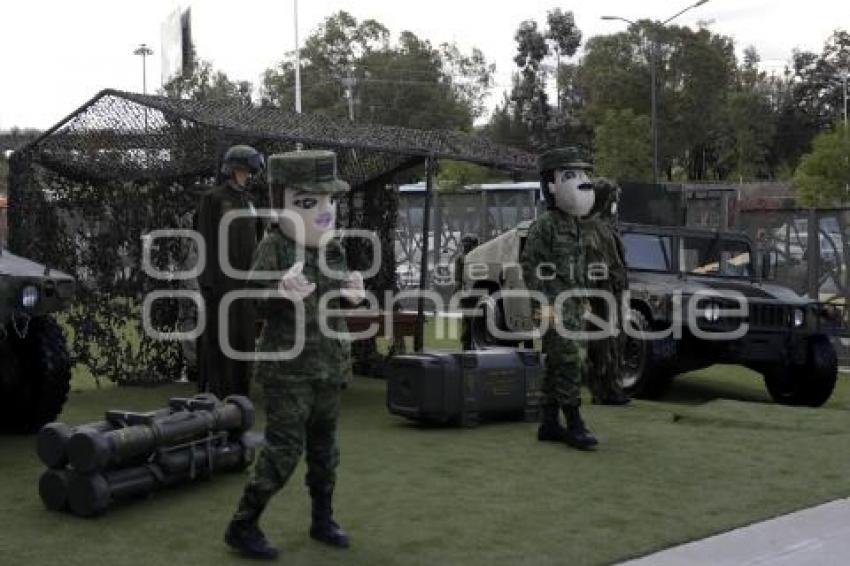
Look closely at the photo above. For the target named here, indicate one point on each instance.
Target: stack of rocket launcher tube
(132, 454)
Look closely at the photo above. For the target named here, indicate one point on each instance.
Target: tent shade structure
(122, 165)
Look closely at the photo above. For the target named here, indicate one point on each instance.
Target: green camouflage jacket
(323, 358)
(604, 245)
(554, 250)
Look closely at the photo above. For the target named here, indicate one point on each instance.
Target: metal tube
(89, 450)
(419, 334)
(297, 64)
(653, 110)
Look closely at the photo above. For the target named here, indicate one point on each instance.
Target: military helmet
(570, 157)
(310, 171)
(606, 192)
(243, 156)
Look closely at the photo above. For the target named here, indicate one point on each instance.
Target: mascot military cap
(242, 156)
(562, 158)
(312, 171)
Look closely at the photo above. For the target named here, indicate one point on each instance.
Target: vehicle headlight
(798, 318)
(29, 296)
(711, 313)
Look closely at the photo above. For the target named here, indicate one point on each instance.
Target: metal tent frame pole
(419, 335)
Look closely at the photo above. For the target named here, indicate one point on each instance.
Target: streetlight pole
(653, 64)
(297, 64)
(144, 51)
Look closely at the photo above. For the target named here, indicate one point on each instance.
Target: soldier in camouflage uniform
(553, 262)
(302, 395)
(604, 247)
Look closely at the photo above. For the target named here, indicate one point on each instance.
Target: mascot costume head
(305, 183)
(565, 181)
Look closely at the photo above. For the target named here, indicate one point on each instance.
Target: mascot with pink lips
(303, 394)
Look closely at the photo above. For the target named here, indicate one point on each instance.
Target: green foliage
(695, 70)
(824, 174)
(408, 83)
(525, 118)
(205, 83)
(623, 147)
(742, 145)
(456, 175)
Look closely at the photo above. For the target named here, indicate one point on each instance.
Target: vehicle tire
(480, 337)
(35, 376)
(809, 385)
(642, 376)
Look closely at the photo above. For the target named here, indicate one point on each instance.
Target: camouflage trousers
(562, 375)
(604, 360)
(301, 415)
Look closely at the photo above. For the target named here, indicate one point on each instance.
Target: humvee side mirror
(768, 265)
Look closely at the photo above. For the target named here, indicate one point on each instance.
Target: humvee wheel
(641, 376)
(35, 375)
(810, 384)
(488, 308)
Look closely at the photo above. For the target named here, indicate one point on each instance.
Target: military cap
(569, 157)
(311, 171)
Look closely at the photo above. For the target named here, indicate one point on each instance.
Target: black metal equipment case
(465, 387)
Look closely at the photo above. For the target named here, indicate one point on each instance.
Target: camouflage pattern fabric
(301, 415)
(302, 395)
(323, 358)
(554, 250)
(604, 245)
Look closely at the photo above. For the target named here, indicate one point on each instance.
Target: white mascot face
(573, 191)
(317, 210)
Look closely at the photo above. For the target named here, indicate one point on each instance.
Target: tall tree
(622, 147)
(694, 69)
(204, 83)
(812, 98)
(526, 118)
(743, 147)
(823, 177)
(408, 83)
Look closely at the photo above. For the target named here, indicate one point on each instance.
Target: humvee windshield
(648, 251)
(699, 255)
(710, 255)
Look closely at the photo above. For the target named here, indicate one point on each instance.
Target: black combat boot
(244, 535)
(324, 528)
(577, 434)
(550, 430)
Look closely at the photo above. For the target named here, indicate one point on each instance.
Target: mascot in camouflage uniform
(302, 395)
(553, 263)
(604, 247)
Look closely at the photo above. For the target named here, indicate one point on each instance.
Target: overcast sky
(57, 54)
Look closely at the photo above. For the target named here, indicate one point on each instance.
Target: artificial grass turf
(712, 455)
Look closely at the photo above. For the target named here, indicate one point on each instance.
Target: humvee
(35, 368)
(786, 337)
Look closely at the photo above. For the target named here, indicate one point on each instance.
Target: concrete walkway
(817, 536)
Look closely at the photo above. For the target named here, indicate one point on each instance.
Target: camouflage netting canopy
(82, 195)
(121, 135)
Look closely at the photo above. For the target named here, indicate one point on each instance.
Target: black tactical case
(465, 387)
